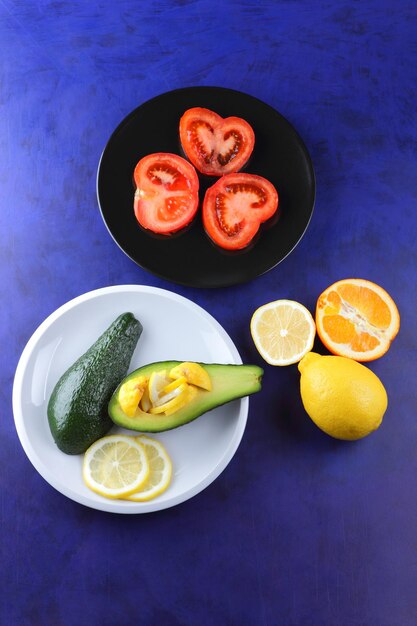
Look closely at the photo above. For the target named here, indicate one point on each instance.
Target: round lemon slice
(160, 471)
(115, 466)
(283, 331)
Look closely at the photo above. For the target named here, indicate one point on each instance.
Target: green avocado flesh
(77, 409)
(229, 382)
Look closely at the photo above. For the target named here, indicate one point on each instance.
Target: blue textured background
(300, 530)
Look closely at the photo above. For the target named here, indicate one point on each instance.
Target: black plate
(190, 258)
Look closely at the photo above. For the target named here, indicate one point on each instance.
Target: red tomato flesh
(166, 197)
(215, 145)
(234, 208)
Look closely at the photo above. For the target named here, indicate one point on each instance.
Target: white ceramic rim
(113, 506)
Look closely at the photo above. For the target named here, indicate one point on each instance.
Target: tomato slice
(166, 197)
(215, 145)
(234, 208)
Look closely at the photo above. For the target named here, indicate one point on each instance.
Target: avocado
(77, 409)
(229, 382)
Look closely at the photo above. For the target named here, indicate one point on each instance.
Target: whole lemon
(342, 397)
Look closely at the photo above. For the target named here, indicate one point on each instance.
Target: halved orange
(357, 319)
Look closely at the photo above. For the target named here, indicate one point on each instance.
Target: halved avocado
(229, 382)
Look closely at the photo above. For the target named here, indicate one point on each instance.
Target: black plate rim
(309, 161)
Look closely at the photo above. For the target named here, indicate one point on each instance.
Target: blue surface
(299, 530)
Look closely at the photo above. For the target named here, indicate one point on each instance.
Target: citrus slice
(167, 397)
(283, 331)
(157, 382)
(160, 471)
(357, 319)
(145, 403)
(171, 401)
(115, 466)
(175, 383)
(193, 373)
(186, 398)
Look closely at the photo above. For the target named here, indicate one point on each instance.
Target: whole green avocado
(77, 409)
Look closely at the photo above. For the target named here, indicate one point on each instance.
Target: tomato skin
(215, 145)
(235, 207)
(166, 197)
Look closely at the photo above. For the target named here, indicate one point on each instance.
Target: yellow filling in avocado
(162, 393)
(131, 393)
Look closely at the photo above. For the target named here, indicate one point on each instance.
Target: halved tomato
(234, 208)
(166, 197)
(215, 146)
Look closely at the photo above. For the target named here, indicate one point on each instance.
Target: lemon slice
(115, 466)
(175, 383)
(167, 397)
(185, 398)
(157, 382)
(145, 403)
(283, 331)
(171, 401)
(193, 373)
(160, 471)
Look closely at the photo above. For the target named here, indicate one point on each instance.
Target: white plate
(173, 328)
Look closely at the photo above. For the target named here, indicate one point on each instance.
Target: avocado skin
(77, 409)
(229, 382)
